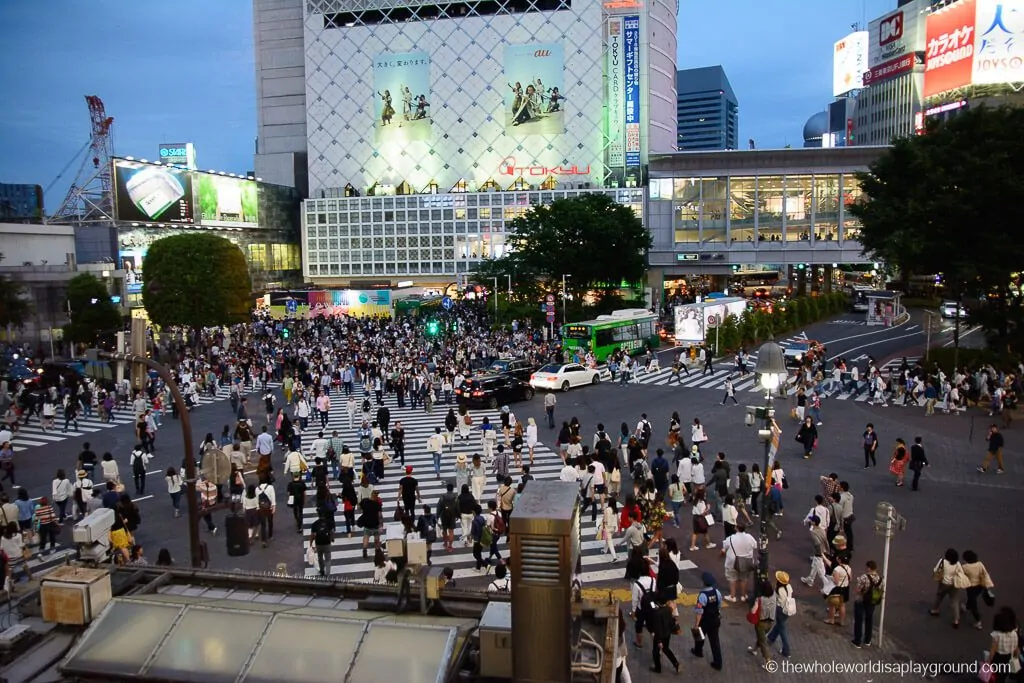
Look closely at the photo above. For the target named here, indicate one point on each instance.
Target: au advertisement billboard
(849, 62)
(402, 98)
(999, 42)
(616, 101)
(535, 94)
(949, 56)
(631, 41)
(147, 193)
(227, 202)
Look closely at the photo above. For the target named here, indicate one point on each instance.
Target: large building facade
(431, 126)
(707, 111)
(893, 96)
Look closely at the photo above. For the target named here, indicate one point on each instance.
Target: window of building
(826, 206)
(742, 208)
(799, 204)
(714, 200)
(770, 205)
(686, 210)
(851, 194)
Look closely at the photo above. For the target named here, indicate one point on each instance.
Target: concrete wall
(280, 93)
(35, 244)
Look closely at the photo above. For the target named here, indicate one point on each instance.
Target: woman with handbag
(898, 463)
(762, 617)
(702, 520)
(980, 587)
(949, 576)
(1004, 651)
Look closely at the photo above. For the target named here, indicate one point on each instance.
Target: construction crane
(90, 199)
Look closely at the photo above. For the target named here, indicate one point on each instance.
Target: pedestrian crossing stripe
(33, 435)
(346, 555)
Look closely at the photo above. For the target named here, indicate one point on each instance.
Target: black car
(520, 368)
(491, 391)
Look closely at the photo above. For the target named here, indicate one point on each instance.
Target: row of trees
(950, 202)
(757, 326)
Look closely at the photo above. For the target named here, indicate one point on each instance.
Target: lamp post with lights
(771, 369)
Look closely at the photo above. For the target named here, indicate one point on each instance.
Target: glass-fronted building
(713, 213)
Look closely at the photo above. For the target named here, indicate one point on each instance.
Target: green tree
(92, 311)
(196, 280)
(596, 241)
(949, 202)
(15, 306)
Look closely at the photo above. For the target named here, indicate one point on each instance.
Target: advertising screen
(999, 42)
(226, 202)
(535, 89)
(631, 41)
(131, 263)
(146, 193)
(849, 63)
(179, 153)
(402, 98)
(949, 56)
(616, 93)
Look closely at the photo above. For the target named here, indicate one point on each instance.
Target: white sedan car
(949, 310)
(554, 376)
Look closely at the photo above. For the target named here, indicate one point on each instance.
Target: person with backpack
(644, 602)
(482, 534)
(426, 525)
(320, 537)
(870, 590)
(785, 607)
(139, 459)
(448, 514)
(502, 583)
(498, 527)
(644, 431)
(266, 506)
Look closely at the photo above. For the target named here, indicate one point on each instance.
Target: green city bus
(631, 329)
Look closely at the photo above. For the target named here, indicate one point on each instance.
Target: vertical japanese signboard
(631, 40)
(949, 56)
(999, 42)
(616, 93)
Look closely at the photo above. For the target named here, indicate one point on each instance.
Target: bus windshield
(576, 332)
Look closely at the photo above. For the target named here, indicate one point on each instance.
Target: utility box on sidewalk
(74, 595)
(544, 548)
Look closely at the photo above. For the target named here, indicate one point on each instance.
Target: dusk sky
(184, 72)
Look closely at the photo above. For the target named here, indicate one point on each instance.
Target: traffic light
(285, 333)
(432, 328)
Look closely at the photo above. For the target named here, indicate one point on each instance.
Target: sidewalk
(815, 646)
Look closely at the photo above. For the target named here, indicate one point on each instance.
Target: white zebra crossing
(33, 435)
(347, 559)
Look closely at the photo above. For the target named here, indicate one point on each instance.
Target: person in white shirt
(821, 511)
(645, 584)
(738, 551)
(294, 463)
(569, 473)
(266, 506)
(320, 445)
(502, 583)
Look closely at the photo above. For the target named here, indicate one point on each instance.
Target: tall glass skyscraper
(707, 110)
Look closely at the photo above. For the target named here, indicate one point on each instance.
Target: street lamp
(565, 296)
(495, 298)
(771, 368)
